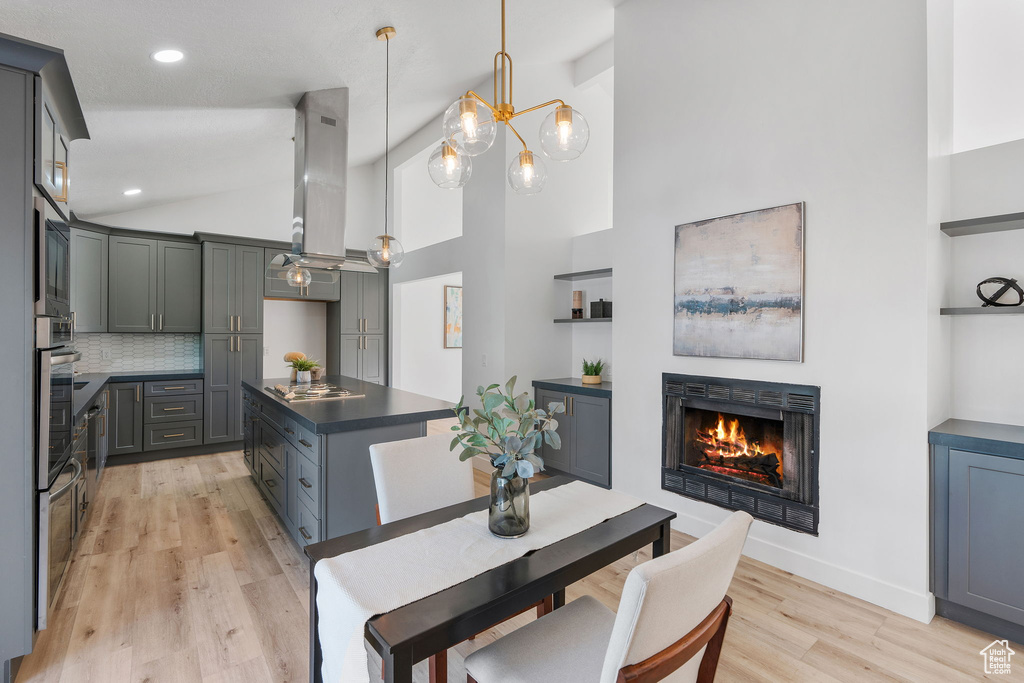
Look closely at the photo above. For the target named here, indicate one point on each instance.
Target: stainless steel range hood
(321, 179)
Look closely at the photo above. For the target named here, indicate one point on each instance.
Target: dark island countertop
(378, 406)
(989, 437)
(575, 385)
(85, 396)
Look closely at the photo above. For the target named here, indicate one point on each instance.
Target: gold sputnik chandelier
(471, 124)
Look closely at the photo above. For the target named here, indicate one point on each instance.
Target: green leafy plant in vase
(592, 370)
(509, 429)
(303, 369)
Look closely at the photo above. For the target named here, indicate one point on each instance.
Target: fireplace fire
(744, 445)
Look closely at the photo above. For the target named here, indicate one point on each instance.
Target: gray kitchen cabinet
(585, 432)
(153, 285)
(179, 287)
(89, 269)
(349, 363)
(372, 361)
(977, 485)
(233, 289)
(363, 303)
(323, 286)
(132, 285)
(227, 360)
(360, 356)
(125, 417)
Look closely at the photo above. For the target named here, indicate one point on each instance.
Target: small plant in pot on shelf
(509, 429)
(592, 370)
(303, 368)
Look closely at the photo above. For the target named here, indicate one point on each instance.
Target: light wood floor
(184, 574)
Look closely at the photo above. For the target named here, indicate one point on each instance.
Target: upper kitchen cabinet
(363, 303)
(233, 288)
(154, 286)
(323, 286)
(89, 268)
(58, 122)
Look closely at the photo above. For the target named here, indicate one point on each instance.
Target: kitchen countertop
(95, 381)
(575, 385)
(379, 407)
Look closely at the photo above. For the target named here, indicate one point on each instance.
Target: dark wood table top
(444, 619)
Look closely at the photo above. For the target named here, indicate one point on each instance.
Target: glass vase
(509, 515)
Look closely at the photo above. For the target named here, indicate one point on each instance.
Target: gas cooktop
(311, 392)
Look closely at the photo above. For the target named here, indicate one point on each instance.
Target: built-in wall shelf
(978, 226)
(588, 275)
(583, 320)
(988, 310)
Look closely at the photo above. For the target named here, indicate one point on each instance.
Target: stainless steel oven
(53, 273)
(55, 417)
(57, 522)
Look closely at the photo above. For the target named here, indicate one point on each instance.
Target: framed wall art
(452, 317)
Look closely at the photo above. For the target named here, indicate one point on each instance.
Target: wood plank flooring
(185, 575)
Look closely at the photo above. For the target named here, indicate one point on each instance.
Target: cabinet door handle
(231, 344)
(138, 389)
(305, 483)
(171, 436)
(178, 408)
(270, 483)
(152, 322)
(231, 323)
(289, 431)
(239, 323)
(103, 431)
(161, 322)
(305, 443)
(305, 535)
(572, 400)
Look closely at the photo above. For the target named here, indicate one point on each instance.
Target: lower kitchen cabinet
(228, 359)
(361, 356)
(177, 435)
(977, 486)
(126, 418)
(585, 432)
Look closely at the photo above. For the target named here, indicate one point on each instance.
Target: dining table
(414, 632)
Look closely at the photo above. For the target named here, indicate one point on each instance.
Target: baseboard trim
(187, 451)
(918, 606)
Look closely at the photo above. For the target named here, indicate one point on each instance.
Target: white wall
(422, 364)
(752, 105)
(989, 67)
(292, 326)
(424, 213)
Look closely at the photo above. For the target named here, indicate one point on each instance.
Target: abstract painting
(452, 317)
(739, 285)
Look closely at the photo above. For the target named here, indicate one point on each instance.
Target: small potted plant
(509, 430)
(302, 367)
(592, 371)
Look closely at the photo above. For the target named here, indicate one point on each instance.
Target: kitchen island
(311, 458)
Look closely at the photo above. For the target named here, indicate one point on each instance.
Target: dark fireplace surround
(743, 445)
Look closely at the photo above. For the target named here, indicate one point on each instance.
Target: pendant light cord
(387, 126)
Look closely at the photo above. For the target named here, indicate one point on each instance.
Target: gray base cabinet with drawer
(154, 416)
(977, 517)
(585, 431)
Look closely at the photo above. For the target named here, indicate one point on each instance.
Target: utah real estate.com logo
(997, 657)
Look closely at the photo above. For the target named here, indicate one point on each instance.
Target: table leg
(316, 655)
(397, 666)
(558, 599)
(664, 543)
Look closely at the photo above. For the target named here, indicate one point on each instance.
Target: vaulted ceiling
(222, 118)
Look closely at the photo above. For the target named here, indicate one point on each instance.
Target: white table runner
(356, 586)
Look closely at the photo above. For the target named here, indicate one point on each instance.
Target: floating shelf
(593, 274)
(583, 320)
(978, 310)
(978, 226)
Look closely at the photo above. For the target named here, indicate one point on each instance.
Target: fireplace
(744, 445)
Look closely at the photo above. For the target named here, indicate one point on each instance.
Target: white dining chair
(414, 476)
(671, 621)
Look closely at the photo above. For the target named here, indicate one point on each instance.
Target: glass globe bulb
(448, 167)
(526, 173)
(385, 252)
(298, 277)
(470, 126)
(564, 134)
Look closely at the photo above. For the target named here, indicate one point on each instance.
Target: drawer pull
(305, 443)
(178, 408)
(270, 483)
(289, 431)
(305, 534)
(172, 388)
(171, 436)
(302, 480)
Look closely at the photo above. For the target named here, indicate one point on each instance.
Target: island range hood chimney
(321, 179)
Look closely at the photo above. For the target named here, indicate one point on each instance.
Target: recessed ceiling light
(134, 190)
(168, 56)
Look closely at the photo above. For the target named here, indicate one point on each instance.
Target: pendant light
(386, 251)
(471, 124)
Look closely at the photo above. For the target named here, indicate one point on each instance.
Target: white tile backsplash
(138, 352)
